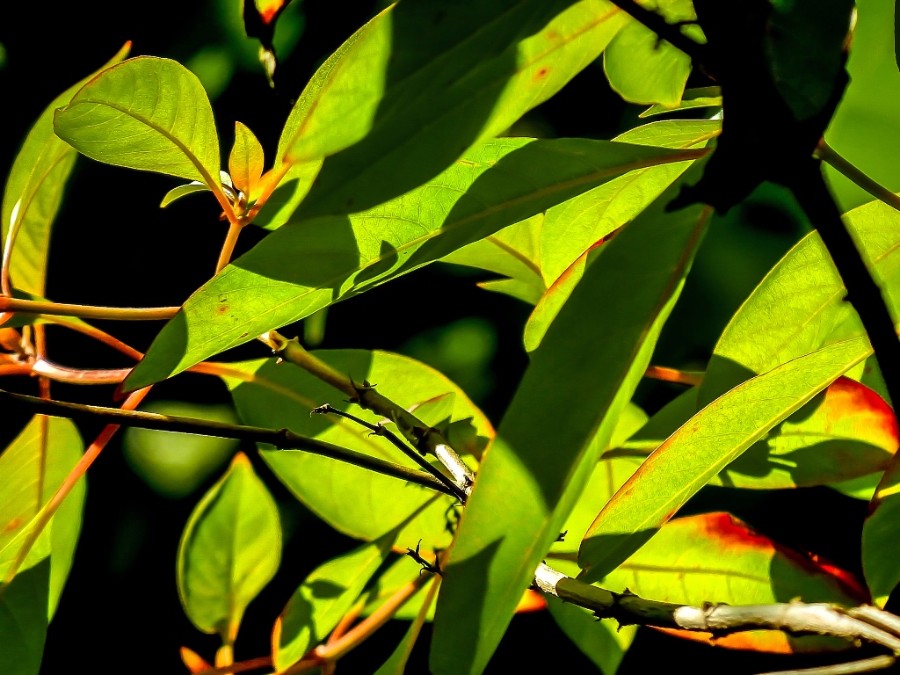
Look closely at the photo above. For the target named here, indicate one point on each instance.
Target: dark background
(112, 246)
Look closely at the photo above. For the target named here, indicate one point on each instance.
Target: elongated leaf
(398, 109)
(323, 598)
(33, 467)
(773, 326)
(396, 663)
(230, 549)
(879, 536)
(715, 555)
(23, 620)
(146, 113)
(307, 265)
(357, 501)
(34, 190)
(602, 642)
(698, 97)
(561, 417)
(846, 432)
(702, 447)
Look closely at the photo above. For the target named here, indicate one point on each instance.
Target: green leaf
(602, 642)
(229, 550)
(357, 501)
(34, 190)
(396, 663)
(514, 253)
(146, 113)
(715, 555)
(310, 264)
(804, 43)
(34, 466)
(23, 620)
(575, 229)
(698, 97)
(573, 391)
(702, 447)
(323, 598)
(391, 110)
(846, 432)
(879, 536)
(641, 68)
(177, 193)
(772, 326)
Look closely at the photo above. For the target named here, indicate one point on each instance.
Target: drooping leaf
(34, 190)
(641, 68)
(357, 501)
(702, 447)
(310, 264)
(23, 620)
(715, 555)
(147, 113)
(229, 550)
(396, 663)
(603, 643)
(33, 467)
(246, 161)
(391, 110)
(773, 326)
(577, 383)
(323, 598)
(879, 536)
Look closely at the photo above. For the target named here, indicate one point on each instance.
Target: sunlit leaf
(34, 190)
(354, 500)
(177, 193)
(576, 385)
(323, 598)
(846, 432)
(246, 161)
(391, 110)
(715, 555)
(774, 325)
(699, 97)
(229, 550)
(641, 67)
(146, 113)
(702, 447)
(307, 265)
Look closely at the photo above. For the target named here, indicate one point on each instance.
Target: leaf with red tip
(715, 555)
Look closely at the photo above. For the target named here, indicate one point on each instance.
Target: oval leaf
(317, 606)
(146, 113)
(246, 161)
(357, 501)
(230, 549)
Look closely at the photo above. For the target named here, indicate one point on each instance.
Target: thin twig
(828, 155)
(19, 305)
(861, 666)
(381, 430)
(283, 439)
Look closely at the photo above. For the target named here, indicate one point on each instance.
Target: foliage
(409, 152)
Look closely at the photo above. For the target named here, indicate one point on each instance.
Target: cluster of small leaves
(394, 157)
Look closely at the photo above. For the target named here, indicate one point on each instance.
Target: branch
(865, 623)
(827, 154)
(424, 438)
(283, 439)
(9, 304)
